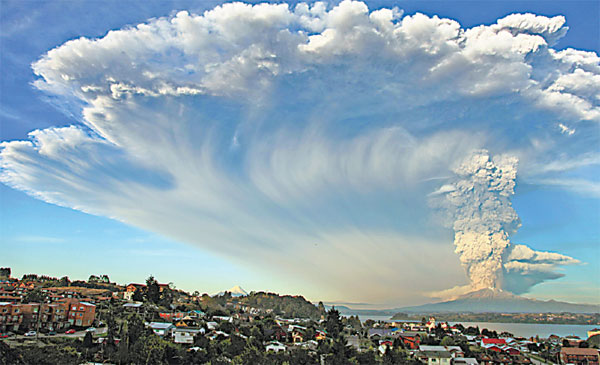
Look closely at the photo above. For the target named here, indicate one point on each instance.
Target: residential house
(223, 318)
(353, 341)
(81, 314)
(11, 317)
(320, 335)
(464, 361)
(411, 340)
(593, 332)
(196, 314)
(31, 313)
(308, 345)
(379, 333)
(492, 341)
(54, 316)
(133, 307)
(494, 348)
(187, 322)
(161, 329)
(186, 335)
(131, 289)
(275, 346)
(484, 359)
(276, 333)
(573, 341)
(430, 324)
(554, 339)
(435, 357)
(216, 334)
(576, 355)
(455, 351)
(297, 335)
(10, 296)
(172, 316)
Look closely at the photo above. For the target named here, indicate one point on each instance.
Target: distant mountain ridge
(496, 300)
(345, 310)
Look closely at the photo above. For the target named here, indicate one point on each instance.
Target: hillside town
(47, 320)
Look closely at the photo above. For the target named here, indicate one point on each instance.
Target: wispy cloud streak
(302, 137)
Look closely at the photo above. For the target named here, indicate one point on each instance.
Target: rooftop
(579, 351)
(160, 325)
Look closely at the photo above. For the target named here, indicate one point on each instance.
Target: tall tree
(88, 340)
(333, 323)
(152, 293)
(64, 281)
(5, 272)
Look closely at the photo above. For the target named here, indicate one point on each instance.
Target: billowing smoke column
(484, 216)
(483, 219)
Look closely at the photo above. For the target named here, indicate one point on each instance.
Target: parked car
(30, 333)
(4, 335)
(91, 329)
(70, 332)
(51, 333)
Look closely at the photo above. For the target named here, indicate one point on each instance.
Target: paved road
(98, 331)
(78, 334)
(537, 362)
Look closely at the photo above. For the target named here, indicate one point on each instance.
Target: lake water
(518, 329)
(533, 329)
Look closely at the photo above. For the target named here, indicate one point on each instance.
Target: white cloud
(580, 186)
(566, 130)
(252, 130)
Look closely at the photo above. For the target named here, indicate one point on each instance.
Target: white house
(275, 346)
(186, 335)
(465, 361)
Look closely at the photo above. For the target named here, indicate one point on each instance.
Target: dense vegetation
(291, 306)
(245, 345)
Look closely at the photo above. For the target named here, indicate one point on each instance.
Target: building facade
(11, 317)
(81, 314)
(576, 355)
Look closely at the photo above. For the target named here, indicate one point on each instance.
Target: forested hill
(293, 306)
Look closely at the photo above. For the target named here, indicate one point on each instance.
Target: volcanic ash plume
(483, 218)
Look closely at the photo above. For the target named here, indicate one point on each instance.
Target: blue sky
(253, 212)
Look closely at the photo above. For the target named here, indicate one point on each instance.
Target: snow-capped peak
(235, 291)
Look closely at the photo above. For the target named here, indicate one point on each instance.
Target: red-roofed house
(495, 341)
(493, 348)
(492, 341)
